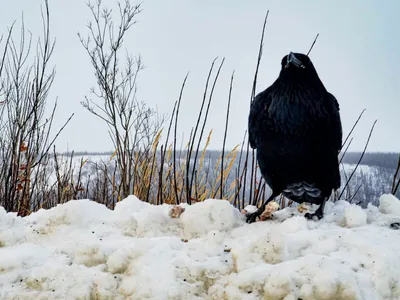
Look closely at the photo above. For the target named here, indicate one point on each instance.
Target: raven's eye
(303, 66)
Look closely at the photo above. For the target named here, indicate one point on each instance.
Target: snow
(355, 216)
(389, 204)
(82, 250)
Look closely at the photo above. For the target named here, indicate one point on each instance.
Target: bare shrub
(25, 81)
(133, 126)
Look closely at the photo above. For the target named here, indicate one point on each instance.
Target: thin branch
(345, 151)
(191, 145)
(361, 157)
(163, 152)
(352, 129)
(225, 134)
(355, 194)
(56, 136)
(175, 132)
(205, 121)
(396, 186)
(253, 92)
(312, 46)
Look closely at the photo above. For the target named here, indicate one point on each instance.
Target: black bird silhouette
(295, 126)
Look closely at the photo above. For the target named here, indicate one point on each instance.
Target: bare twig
(177, 200)
(394, 185)
(238, 177)
(225, 133)
(355, 194)
(354, 126)
(204, 122)
(192, 141)
(361, 157)
(345, 151)
(312, 46)
(253, 92)
(163, 152)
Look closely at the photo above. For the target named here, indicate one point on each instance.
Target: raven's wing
(258, 113)
(333, 139)
(335, 126)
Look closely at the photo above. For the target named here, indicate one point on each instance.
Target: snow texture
(82, 250)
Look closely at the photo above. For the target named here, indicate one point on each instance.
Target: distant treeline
(87, 153)
(377, 159)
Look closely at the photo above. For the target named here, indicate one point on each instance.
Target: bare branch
(361, 157)
(312, 46)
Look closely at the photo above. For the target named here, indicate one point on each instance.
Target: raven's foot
(252, 217)
(318, 215)
(395, 225)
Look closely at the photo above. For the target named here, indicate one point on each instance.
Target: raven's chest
(291, 113)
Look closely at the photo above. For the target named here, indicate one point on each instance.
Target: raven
(295, 126)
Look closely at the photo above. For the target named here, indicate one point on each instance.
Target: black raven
(295, 126)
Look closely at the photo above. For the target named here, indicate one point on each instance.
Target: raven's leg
(250, 218)
(319, 213)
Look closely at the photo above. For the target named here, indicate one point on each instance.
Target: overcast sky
(356, 56)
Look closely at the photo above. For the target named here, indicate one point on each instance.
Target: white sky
(356, 56)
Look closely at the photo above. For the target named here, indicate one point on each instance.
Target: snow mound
(209, 215)
(82, 250)
(355, 216)
(389, 204)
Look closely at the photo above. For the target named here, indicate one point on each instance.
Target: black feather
(295, 126)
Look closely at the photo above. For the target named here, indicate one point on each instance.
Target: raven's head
(298, 67)
(297, 62)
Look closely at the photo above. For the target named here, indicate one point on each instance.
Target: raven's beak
(291, 58)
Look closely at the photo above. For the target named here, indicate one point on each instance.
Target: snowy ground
(82, 250)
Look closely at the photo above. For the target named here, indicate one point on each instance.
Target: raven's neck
(302, 82)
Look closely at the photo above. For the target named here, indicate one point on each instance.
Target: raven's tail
(303, 192)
